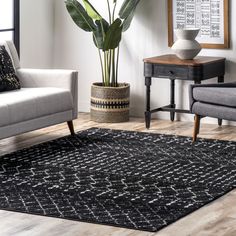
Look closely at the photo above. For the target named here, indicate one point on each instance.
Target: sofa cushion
(218, 96)
(8, 78)
(5, 44)
(30, 103)
(216, 111)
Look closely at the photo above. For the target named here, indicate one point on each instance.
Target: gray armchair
(213, 100)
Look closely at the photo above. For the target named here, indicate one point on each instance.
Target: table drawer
(168, 71)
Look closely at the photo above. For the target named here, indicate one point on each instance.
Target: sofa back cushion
(8, 78)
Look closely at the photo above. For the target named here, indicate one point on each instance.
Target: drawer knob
(171, 72)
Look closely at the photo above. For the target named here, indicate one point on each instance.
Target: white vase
(186, 47)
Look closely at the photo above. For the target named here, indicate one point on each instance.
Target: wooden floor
(216, 219)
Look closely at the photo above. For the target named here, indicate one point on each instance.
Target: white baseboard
(84, 106)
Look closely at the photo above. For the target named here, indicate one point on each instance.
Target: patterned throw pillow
(8, 78)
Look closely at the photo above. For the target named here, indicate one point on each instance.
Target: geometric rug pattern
(128, 179)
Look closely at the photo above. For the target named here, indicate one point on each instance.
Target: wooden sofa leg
(71, 127)
(196, 127)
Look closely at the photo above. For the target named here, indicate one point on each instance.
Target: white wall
(74, 49)
(36, 30)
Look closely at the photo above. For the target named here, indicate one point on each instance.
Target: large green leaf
(99, 34)
(80, 16)
(127, 8)
(92, 12)
(113, 35)
(127, 21)
(127, 12)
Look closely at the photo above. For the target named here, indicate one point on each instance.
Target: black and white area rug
(127, 179)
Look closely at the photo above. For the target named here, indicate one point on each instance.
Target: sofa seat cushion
(30, 103)
(217, 96)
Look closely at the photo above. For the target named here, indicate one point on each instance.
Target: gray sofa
(47, 97)
(213, 100)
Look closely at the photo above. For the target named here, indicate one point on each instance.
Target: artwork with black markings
(127, 179)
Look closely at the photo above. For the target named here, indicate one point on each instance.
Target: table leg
(221, 79)
(148, 83)
(172, 99)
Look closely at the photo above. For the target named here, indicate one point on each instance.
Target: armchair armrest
(67, 79)
(215, 85)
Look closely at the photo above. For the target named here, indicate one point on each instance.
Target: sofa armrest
(67, 79)
(215, 85)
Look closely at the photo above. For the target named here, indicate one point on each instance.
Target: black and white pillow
(8, 78)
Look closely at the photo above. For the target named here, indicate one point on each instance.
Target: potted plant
(109, 99)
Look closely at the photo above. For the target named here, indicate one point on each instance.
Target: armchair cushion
(216, 95)
(30, 103)
(192, 87)
(8, 78)
(215, 111)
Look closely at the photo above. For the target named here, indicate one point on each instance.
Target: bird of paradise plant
(107, 34)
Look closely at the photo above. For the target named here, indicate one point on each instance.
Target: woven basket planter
(110, 104)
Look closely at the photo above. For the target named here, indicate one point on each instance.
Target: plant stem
(100, 58)
(114, 10)
(105, 68)
(113, 69)
(109, 10)
(117, 65)
(101, 63)
(109, 65)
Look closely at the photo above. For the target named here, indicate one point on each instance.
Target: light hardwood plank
(215, 219)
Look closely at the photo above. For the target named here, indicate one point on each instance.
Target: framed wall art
(210, 16)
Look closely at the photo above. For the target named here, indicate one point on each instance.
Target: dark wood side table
(172, 68)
